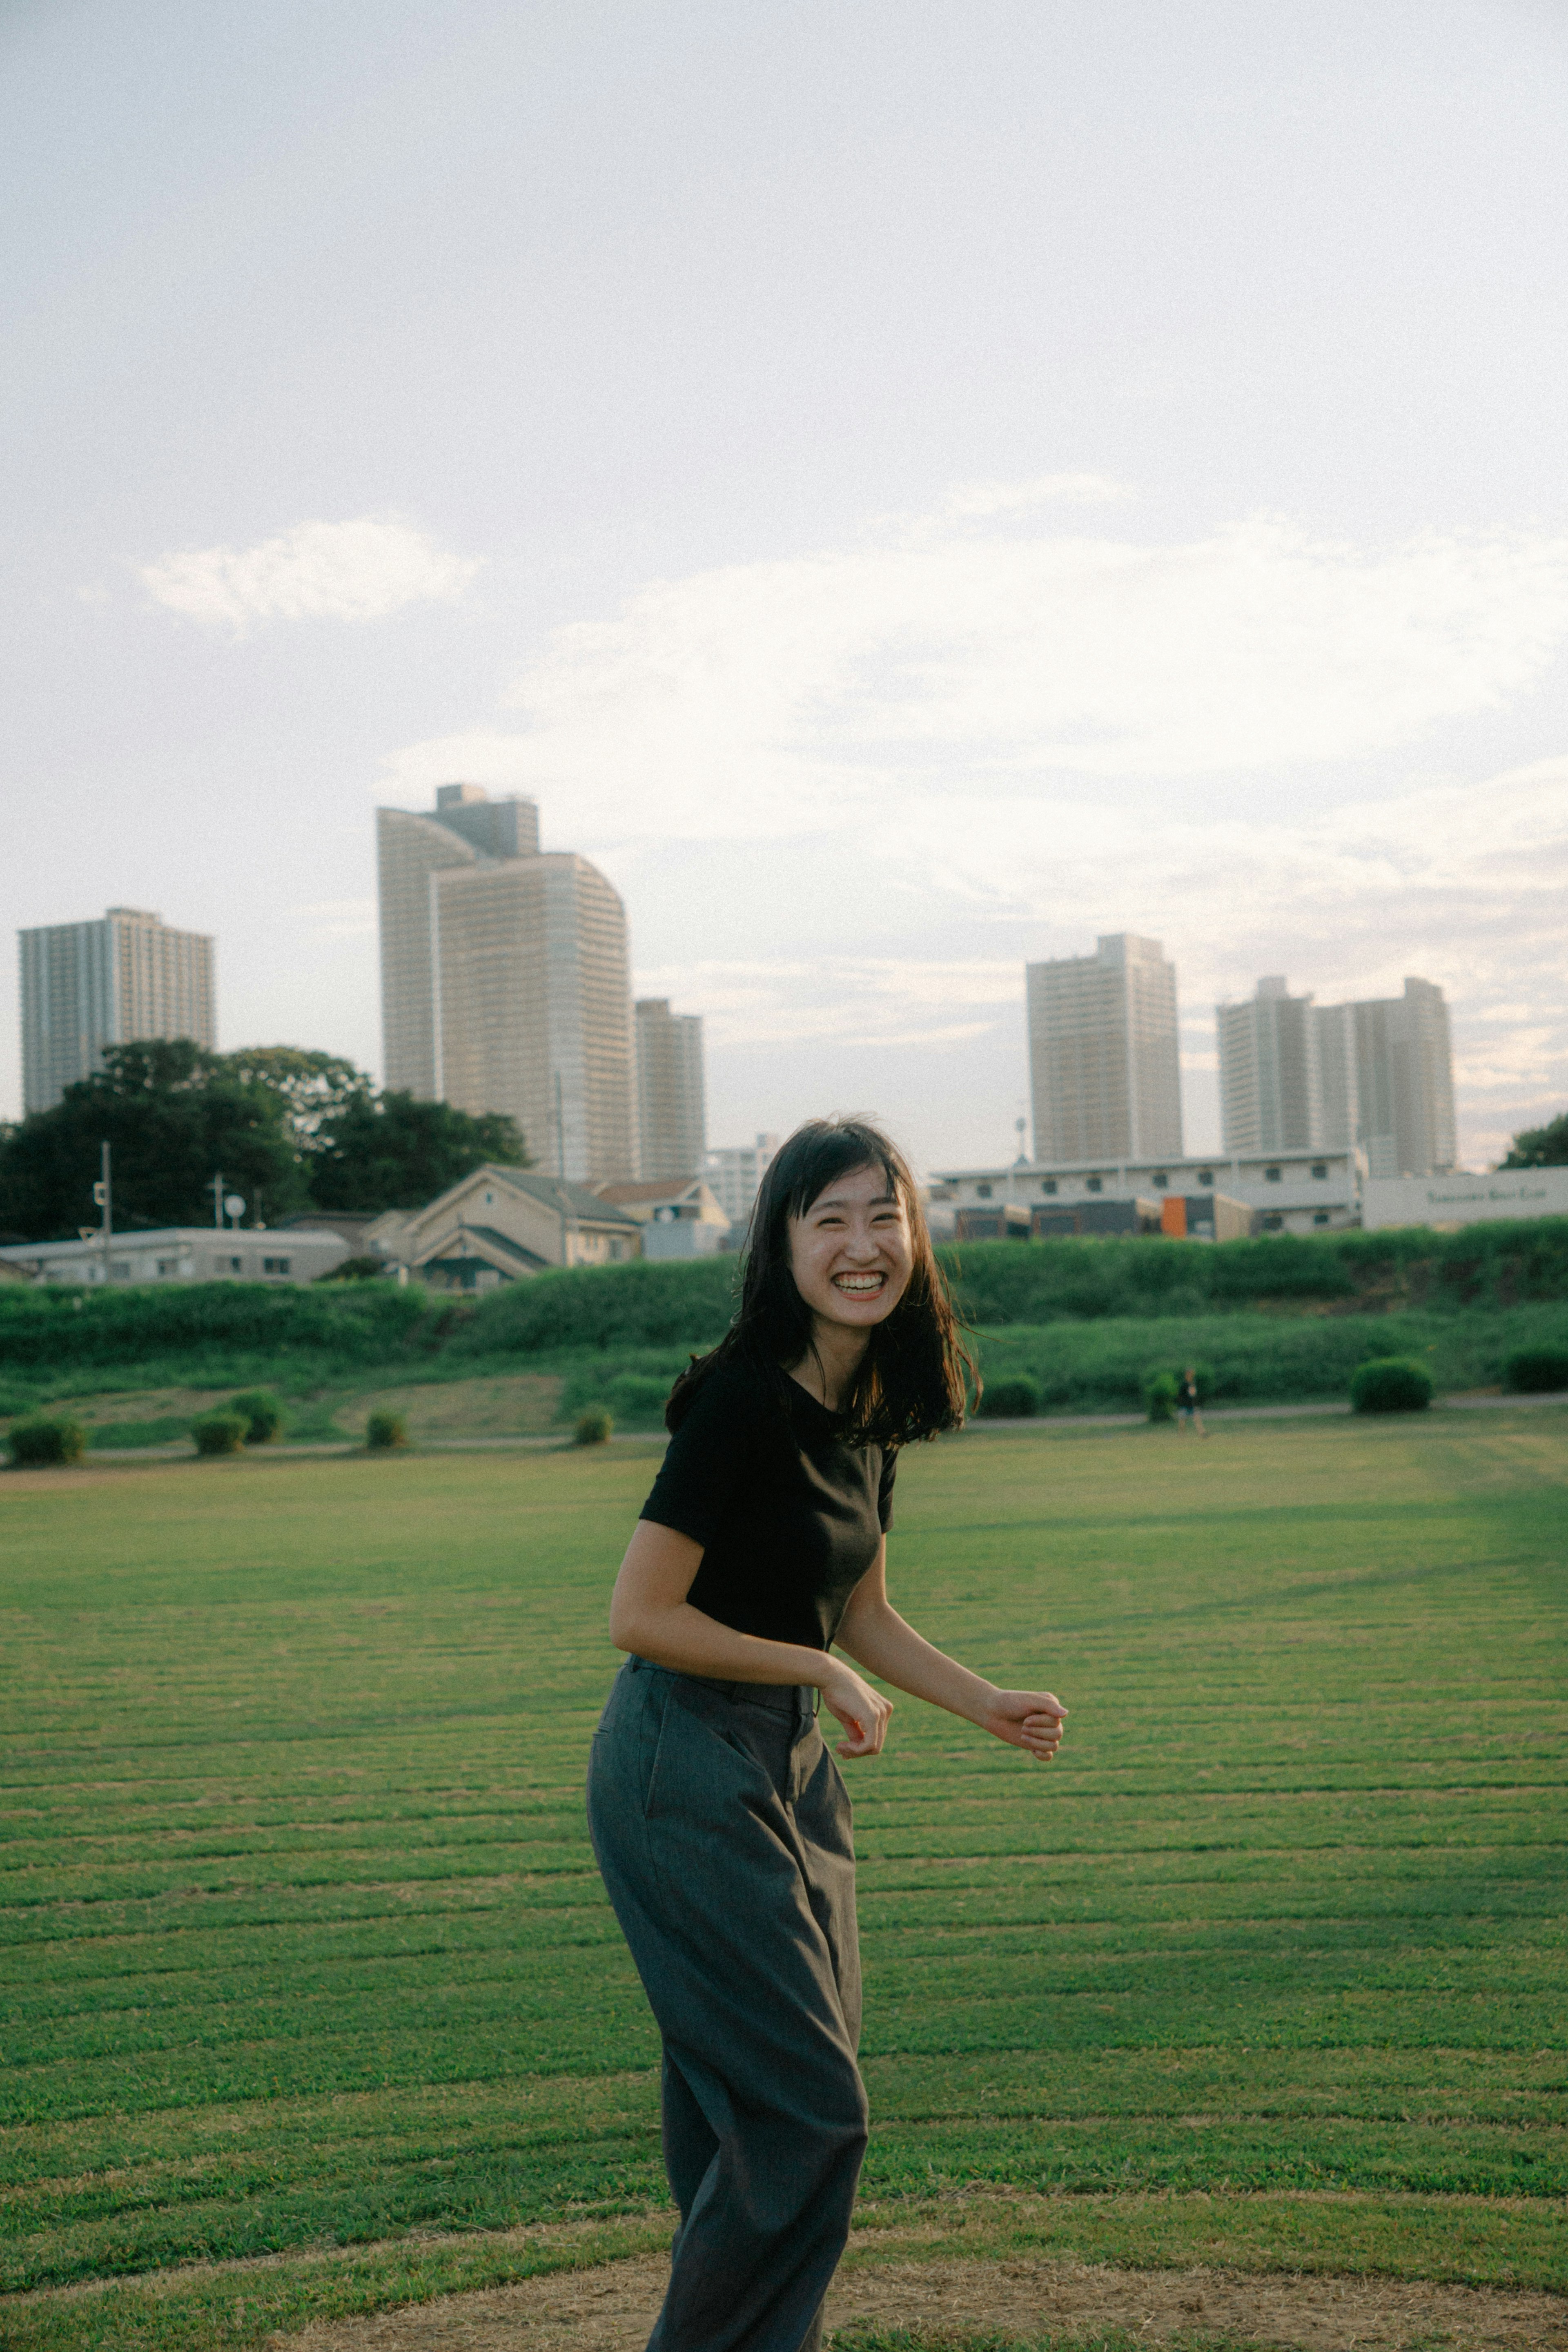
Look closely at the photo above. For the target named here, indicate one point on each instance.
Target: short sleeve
(708, 1459)
(885, 1489)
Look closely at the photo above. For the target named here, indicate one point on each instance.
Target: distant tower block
(1271, 1091)
(671, 1115)
(88, 985)
(1105, 1066)
(505, 980)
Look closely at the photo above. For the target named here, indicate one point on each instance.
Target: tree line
(287, 1128)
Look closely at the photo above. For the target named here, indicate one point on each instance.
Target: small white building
(678, 1220)
(184, 1254)
(1290, 1192)
(1464, 1200)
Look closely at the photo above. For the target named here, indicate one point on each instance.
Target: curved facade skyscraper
(505, 980)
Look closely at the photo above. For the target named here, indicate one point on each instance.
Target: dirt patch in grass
(610, 2309)
(137, 1404)
(512, 1404)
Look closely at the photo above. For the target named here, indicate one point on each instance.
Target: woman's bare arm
(651, 1615)
(885, 1643)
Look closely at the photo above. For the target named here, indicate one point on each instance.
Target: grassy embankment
(1274, 1320)
(303, 1948)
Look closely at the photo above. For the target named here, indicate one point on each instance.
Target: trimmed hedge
(1536, 1371)
(385, 1431)
(45, 1438)
(1391, 1384)
(261, 1413)
(219, 1432)
(593, 1427)
(1009, 1398)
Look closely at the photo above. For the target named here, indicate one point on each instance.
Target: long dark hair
(914, 1375)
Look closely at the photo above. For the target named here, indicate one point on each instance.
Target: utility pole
(103, 1193)
(218, 1200)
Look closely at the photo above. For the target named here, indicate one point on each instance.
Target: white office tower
(88, 985)
(1271, 1095)
(672, 1103)
(505, 980)
(734, 1175)
(1105, 1069)
(1401, 1089)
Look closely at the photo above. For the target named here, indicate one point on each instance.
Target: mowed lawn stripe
(300, 1940)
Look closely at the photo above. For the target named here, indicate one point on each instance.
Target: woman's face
(850, 1254)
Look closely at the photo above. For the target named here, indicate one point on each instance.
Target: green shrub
(355, 1269)
(261, 1413)
(1391, 1384)
(1009, 1398)
(1536, 1371)
(43, 1438)
(385, 1430)
(592, 1426)
(219, 1432)
(1160, 1393)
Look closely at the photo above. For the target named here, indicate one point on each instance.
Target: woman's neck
(827, 1370)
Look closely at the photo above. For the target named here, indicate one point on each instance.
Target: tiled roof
(587, 1207)
(674, 1189)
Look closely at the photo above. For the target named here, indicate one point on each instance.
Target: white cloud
(974, 501)
(853, 999)
(955, 708)
(359, 571)
(763, 699)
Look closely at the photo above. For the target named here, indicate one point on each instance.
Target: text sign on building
(1464, 1200)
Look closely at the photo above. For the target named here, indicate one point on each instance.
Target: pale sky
(907, 488)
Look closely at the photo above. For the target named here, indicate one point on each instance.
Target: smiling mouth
(860, 1286)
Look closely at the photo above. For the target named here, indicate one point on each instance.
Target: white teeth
(858, 1281)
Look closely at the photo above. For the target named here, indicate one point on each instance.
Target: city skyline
(1160, 526)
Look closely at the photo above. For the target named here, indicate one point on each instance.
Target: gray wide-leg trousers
(722, 1828)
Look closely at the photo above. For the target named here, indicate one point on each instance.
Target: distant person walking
(720, 1820)
(1187, 1404)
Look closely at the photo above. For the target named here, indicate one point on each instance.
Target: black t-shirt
(788, 1516)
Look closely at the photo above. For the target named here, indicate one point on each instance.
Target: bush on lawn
(219, 1432)
(43, 1438)
(1391, 1384)
(1160, 1393)
(384, 1430)
(592, 1427)
(1536, 1371)
(261, 1413)
(1009, 1398)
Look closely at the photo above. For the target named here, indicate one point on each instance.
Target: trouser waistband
(783, 1698)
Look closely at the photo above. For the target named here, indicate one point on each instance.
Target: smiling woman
(720, 1820)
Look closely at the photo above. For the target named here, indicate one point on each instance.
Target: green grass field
(303, 1946)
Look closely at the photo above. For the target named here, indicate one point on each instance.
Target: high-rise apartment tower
(1295, 1075)
(1270, 1096)
(504, 979)
(1104, 1072)
(672, 1105)
(88, 985)
(1398, 1086)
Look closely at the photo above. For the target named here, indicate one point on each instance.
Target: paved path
(1043, 1424)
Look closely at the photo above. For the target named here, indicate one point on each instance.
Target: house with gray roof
(500, 1224)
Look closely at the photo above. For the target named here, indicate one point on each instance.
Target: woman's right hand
(863, 1712)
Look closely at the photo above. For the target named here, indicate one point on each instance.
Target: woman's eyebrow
(883, 1201)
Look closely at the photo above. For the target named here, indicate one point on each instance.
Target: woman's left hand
(1028, 1719)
